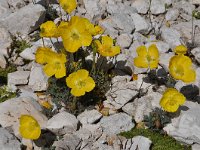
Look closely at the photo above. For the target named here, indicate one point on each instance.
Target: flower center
(74, 36)
(80, 84)
(149, 59)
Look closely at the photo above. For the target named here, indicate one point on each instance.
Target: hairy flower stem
(74, 103)
(43, 42)
(94, 63)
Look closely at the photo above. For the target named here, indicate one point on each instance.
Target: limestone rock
(18, 77)
(116, 123)
(8, 141)
(38, 81)
(62, 123)
(142, 6)
(89, 116)
(25, 20)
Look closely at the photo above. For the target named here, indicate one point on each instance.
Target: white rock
(28, 53)
(121, 92)
(120, 8)
(69, 142)
(5, 40)
(8, 141)
(92, 8)
(62, 123)
(138, 143)
(16, 4)
(4, 9)
(89, 116)
(195, 147)
(196, 2)
(185, 7)
(141, 25)
(25, 20)
(142, 6)
(196, 53)
(116, 123)
(18, 77)
(11, 110)
(186, 127)
(2, 61)
(124, 40)
(172, 14)
(157, 7)
(171, 36)
(38, 81)
(165, 59)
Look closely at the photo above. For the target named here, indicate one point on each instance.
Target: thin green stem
(74, 103)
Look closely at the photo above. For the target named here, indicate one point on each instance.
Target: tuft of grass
(5, 94)
(159, 141)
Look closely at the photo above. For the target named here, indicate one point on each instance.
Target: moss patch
(159, 142)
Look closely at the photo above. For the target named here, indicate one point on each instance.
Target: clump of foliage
(159, 141)
(6, 94)
(156, 120)
(51, 13)
(19, 44)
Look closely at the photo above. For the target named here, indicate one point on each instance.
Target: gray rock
(195, 147)
(16, 4)
(38, 81)
(172, 14)
(28, 53)
(122, 91)
(184, 7)
(171, 36)
(25, 20)
(2, 61)
(186, 127)
(124, 40)
(11, 110)
(8, 141)
(69, 142)
(142, 6)
(141, 25)
(89, 116)
(5, 40)
(18, 77)
(158, 6)
(165, 59)
(4, 9)
(196, 53)
(120, 8)
(62, 123)
(138, 143)
(116, 123)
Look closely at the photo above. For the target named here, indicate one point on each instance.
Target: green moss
(5, 94)
(159, 141)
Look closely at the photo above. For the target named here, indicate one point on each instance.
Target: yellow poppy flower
(171, 100)
(80, 82)
(147, 58)
(48, 29)
(55, 63)
(29, 127)
(56, 66)
(180, 68)
(181, 49)
(68, 5)
(106, 48)
(76, 35)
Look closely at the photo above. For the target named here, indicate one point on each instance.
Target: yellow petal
(115, 50)
(180, 98)
(77, 92)
(153, 51)
(181, 49)
(90, 84)
(86, 39)
(71, 45)
(29, 127)
(153, 64)
(68, 5)
(82, 74)
(49, 70)
(142, 51)
(106, 40)
(189, 76)
(61, 72)
(71, 79)
(141, 62)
